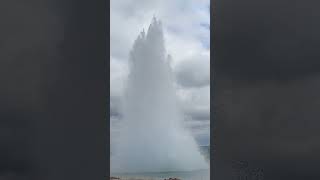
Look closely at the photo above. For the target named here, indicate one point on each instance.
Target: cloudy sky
(187, 39)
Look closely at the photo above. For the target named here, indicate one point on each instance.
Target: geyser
(153, 137)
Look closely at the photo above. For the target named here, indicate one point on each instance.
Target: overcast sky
(187, 40)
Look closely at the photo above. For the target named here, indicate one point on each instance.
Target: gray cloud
(200, 130)
(198, 113)
(115, 106)
(194, 72)
(195, 102)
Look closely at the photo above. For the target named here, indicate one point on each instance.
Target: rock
(173, 179)
(114, 178)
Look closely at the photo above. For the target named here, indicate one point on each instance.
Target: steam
(152, 137)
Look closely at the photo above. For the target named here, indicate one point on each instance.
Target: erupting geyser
(153, 138)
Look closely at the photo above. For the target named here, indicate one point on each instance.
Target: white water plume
(153, 138)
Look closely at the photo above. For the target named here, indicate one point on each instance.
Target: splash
(153, 138)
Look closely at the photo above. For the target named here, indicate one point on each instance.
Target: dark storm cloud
(267, 87)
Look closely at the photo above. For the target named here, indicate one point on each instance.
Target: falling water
(153, 138)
